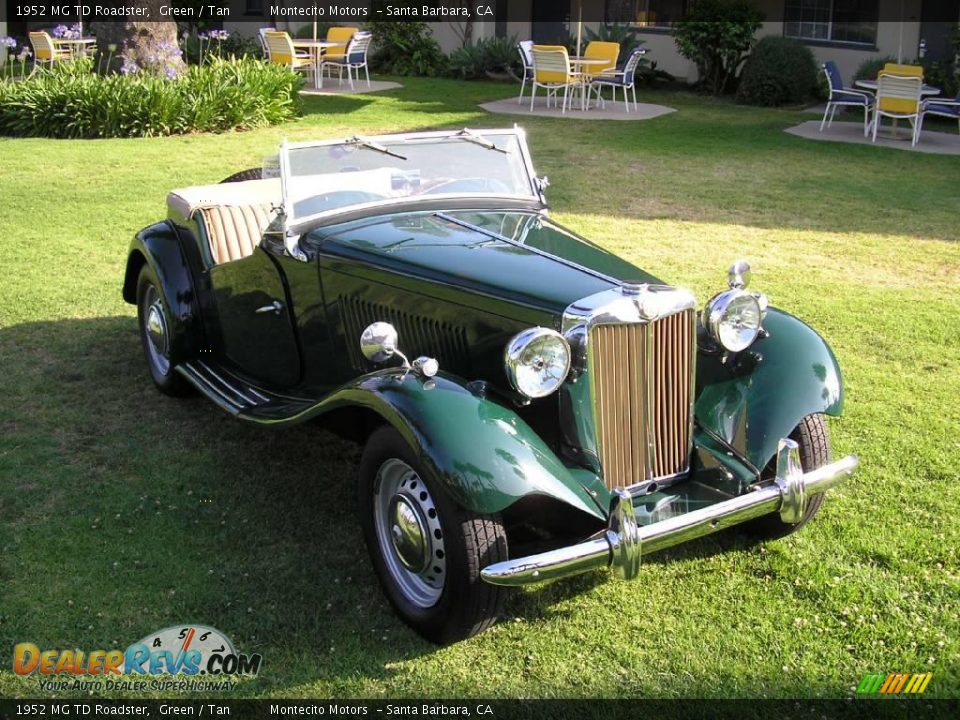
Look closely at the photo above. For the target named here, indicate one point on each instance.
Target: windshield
(331, 177)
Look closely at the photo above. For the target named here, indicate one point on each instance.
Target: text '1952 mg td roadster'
(531, 406)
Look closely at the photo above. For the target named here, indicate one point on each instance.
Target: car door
(255, 319)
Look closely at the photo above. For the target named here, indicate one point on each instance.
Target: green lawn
(123, 511)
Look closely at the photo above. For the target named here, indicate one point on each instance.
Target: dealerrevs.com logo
(198, 657)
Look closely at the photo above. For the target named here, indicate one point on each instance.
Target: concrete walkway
(332, 87)
(938, 143)
(612, 111)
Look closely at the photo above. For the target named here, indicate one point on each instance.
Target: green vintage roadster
(530, 405)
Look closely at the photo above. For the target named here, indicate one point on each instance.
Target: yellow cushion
(551, 76)
(903, 106)
(598, 50)
(903, 70)
(340, 34)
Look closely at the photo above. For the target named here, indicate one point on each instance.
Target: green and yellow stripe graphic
(894, 683)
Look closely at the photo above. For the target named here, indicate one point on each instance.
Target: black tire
(466, 604)
(814, 444)
(165, 377)
(243, 175)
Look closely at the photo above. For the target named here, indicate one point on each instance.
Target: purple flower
(24, 53)
(129, 67)
(60, 31)
(9, 42)
(201, 36)
(171, 73)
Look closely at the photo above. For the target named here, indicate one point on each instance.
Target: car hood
(518, 256)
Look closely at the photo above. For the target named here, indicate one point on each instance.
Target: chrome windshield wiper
(470, 136)
(370, 145)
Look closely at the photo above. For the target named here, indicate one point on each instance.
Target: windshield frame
(295, 226)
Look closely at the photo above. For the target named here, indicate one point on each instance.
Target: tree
(147, 45)
(717, 35)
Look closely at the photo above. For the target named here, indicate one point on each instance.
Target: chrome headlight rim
(717, 312)
(513, 359)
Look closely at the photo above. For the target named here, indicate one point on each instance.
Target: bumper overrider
(625, 542)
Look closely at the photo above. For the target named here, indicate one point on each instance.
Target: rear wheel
(814, 444)
(155, 326)
(427, 552)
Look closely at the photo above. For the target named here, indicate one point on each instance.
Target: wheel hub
(409, 534)
(157, 328)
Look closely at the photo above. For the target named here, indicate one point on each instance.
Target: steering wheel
(332, 200)
(470, 185)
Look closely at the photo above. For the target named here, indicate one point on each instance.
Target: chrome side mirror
(738, 275)
(378, 343)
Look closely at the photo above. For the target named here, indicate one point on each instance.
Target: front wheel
(814, 445)
(427, 552)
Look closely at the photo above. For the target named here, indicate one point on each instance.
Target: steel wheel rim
(402, 508)
(155, 333)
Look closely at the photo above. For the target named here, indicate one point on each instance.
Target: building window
(254, 7)
(851, 21)
(646, 13)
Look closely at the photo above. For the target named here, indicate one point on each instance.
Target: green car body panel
(458, 285)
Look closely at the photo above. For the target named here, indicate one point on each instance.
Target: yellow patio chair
(45, 52)
(280, 50)
(551, 71)
(898, 97)
(342, 36)
(600, 50)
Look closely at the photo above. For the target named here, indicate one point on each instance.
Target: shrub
(779, 71)
(405, 48)
(490, 57)
(621, 33)
(869, 69)
(69, 101)
(716, 35)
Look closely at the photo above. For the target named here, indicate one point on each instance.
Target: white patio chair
(551, 71)
(525, 48)
(898, 97)
(280, 50)
(354, 59)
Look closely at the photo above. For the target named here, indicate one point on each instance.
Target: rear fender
(159, 246)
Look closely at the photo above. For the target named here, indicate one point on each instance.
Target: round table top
(315, 43)
(588, 61)
(75, 41)
(872, 85)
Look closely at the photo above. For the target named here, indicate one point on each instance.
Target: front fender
(761, 395)
(159, 247)
(481, 452)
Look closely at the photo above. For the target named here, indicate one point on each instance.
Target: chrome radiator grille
(641, 380)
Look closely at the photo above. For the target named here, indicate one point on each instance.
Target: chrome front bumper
(625, 542)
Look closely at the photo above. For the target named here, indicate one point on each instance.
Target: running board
(240, 398)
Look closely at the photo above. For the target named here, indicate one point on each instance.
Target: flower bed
(70, 101)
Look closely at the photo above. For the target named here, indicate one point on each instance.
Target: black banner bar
(892, 708)
(644, 14)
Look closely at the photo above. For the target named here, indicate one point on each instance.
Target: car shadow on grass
(187, 515)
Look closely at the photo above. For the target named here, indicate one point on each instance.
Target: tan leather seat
(234, 231)
(234, 216)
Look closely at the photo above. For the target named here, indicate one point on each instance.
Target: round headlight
(733, 319)
(537, 361)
